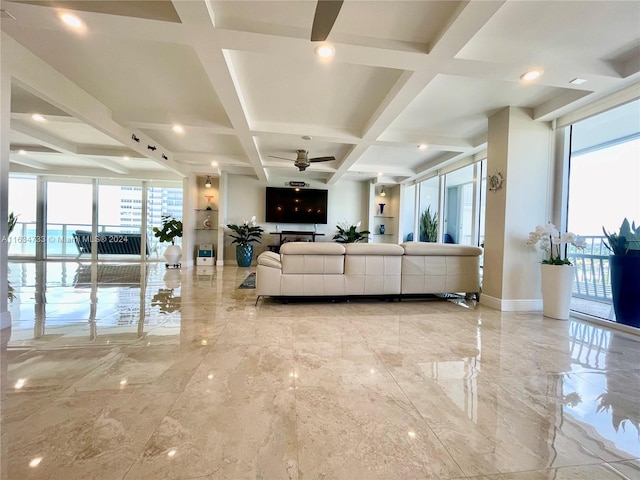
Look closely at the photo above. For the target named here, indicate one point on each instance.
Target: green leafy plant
(348, 233)
(246, 233)
(555, 244)
(428, 226)
(171, 229)
(13, 219)
(626, 242)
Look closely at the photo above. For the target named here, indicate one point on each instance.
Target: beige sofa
(333, 269)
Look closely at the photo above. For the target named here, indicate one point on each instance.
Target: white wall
(347, 201)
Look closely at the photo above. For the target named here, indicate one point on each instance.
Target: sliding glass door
(603, 190)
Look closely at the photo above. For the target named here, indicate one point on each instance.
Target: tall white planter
(557, 282)
(173, 255)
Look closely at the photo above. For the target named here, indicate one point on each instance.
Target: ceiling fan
(303, 161)
(326, 14)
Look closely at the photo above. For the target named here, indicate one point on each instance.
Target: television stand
(298, 234)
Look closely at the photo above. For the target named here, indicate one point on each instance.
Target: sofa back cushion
(372, 268)
(312, 258)
(440, 249)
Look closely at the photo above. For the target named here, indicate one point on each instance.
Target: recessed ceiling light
(22, 152)
(214, 163)
(35, 462)
(379, 174)
(423, 146)
(578, 81)
(177, 128)
(325, 50)
(126, 158)
(530, 75)
(71, 20)
(36, 117)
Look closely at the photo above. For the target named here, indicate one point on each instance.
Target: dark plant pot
(625, 288)
(244, 254)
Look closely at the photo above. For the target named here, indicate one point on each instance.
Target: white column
(5, 120)
(521, 150)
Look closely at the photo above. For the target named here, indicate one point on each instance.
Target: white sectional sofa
(333, 269)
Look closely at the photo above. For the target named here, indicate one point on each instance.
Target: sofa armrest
(270, 259)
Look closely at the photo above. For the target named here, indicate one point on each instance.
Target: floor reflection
(606, 384)
(110, 367)
(68, 301)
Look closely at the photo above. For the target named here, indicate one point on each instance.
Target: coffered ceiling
(242, 79)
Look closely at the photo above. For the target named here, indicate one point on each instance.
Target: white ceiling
(242, 78)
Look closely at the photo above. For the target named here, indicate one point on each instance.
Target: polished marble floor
(122, 371)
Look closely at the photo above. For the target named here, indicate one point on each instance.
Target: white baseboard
(527, 305)
(5, 320)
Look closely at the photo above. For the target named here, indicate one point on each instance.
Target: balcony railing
(592, 280)
(58, 239)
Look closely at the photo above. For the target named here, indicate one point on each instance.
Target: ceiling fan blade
(326, 14)
(281, 158)
(322, 159)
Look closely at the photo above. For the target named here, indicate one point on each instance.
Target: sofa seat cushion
(440, 249)
(311, 258)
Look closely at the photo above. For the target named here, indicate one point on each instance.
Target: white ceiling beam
(63, 146)
(318, 132)
(95, 151)
(218, 67)
(89, 172)
(128, 121)
(36, 76)
(44, 138)
(433, 142)
(27, 162)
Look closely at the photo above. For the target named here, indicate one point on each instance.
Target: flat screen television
(291, 205)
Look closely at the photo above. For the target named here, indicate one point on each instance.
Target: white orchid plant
(554, 243)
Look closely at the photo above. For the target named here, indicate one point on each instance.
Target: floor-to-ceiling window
(428, 210)
(67, 205)
(408, 213)
(22, 203)
(604, 174)
(448, 207)
(69, 208)
(458, 207)
(162, 200)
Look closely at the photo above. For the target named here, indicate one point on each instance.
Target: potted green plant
(428, 226)
(171, 229)
(624, 272)
(243, 236)
(348, 233)
(557, 270)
